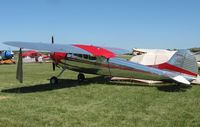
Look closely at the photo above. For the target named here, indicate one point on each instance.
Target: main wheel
(81, 77)
(53, 80)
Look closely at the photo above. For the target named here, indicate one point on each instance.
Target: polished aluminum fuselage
(113, 67)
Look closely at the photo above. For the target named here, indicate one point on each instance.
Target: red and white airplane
(181, 68)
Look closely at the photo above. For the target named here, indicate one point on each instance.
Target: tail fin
(185, 62)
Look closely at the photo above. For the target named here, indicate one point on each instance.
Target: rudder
(184, 59)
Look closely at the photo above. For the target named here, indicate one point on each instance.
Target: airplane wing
(69, 48)
(118, 51)
(47, 47)
(103, 51)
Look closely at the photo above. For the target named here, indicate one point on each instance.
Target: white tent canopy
(152, 56)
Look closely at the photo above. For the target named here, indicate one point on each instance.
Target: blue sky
(116, 23)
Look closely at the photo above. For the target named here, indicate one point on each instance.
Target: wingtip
(7, 42)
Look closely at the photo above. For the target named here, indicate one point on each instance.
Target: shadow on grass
(174, 88)
(63, 83)
(68, 83)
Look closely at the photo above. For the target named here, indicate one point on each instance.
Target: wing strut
(19, 74)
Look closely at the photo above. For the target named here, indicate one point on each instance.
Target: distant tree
(194, 49)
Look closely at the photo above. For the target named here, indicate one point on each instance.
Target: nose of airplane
(58, 56)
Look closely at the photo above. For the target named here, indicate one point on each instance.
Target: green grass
(92, 103)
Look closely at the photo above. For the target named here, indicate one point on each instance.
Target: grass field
(92, 103)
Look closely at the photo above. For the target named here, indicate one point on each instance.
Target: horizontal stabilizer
(181, 79)
(184, 62)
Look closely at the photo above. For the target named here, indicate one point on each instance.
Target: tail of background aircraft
(184, 61)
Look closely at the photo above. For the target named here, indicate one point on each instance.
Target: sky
(113, 23)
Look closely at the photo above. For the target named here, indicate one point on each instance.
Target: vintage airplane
(181, 68)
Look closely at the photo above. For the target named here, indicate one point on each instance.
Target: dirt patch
(3, 97)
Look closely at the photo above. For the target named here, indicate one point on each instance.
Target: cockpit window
(85, 56)
(92, 58)
(69, 55)
(78, 55)
(82, 56)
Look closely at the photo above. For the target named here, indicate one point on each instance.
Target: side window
(78, 55)
(85, 56)
(92, 58)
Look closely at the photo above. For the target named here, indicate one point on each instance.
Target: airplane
(6, 56)
(88, 59)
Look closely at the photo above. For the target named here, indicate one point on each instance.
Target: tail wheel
(81, 77)
(53, 80)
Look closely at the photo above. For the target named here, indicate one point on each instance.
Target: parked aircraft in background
(6, 57)
(181, 68)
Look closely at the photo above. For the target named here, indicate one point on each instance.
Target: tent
(151, 56)
(31, 56)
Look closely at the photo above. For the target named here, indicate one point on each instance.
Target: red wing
(70, 48)
(102, 51)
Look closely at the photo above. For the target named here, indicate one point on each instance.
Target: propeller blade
(19, 74)
(52, 40)
(54, 66)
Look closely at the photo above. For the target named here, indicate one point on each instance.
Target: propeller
(19, 74)
(53, 64)
(52, 40)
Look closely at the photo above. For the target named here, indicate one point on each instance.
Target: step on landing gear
(81, 77)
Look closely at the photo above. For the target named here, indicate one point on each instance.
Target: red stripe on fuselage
(58, 56)
(109, 66)
(96, 51)
(170, 67)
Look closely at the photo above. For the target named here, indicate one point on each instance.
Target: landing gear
(54, 80)
(81, 77)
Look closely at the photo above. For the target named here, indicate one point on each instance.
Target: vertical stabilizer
(185, 60)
